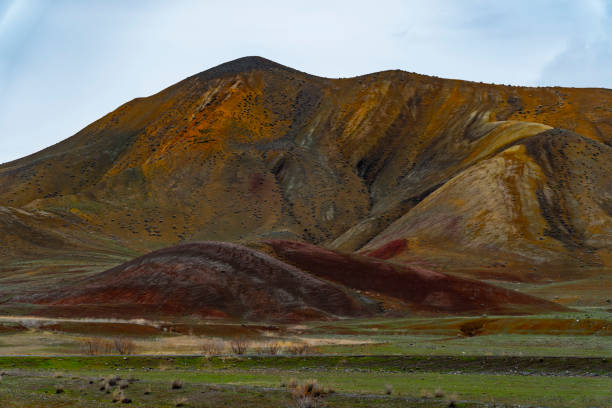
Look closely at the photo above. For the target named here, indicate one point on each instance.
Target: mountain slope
(252, 150)
(533, 207)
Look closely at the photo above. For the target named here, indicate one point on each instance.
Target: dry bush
(239, 345)
(123, 385)
(299, 349)
(96, 346)
(452, 399)
(58, 374)
(292, 383)
(425, 394)
(180, 402)
(269, 349)
(212, 347)
(148, 390)
(124, 346)
(117, 395)
(439, 393)
(59, 388)
(388, 389)
(177, 384)
(307, 394)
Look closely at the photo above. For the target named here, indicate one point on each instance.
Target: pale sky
(66, 63)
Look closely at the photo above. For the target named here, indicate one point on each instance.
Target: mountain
(488, 181)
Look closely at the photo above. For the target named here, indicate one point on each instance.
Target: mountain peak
(246, 64)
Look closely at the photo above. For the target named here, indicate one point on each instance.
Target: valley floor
(560, 360)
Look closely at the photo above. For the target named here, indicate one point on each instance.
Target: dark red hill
(209, 279)
(420, 288)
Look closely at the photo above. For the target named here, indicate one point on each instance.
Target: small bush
(177, 384)
(148, 390)
(308, 394)
(388, 389)
(299, 349)
(439, 393)
(212, 347)
(425, 394)
(123, 385)
(181, 402)
(124, 346)
(452, 400)
(239, 346)
(117, 395)
(59, 388)
(96, 346)
(271, 348)
(58, 374)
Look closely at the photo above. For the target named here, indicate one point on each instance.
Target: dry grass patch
(239, 345)
(307, 394)
(181, 402)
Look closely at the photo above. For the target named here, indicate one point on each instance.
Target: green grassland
(559, 360)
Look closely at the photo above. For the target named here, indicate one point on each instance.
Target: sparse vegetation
(177, 384)
(271, 348)
(239, 345)
(299, 349)
(124, 346)
(96, 346)
(212, 347)
(181, 402)
(307, 394)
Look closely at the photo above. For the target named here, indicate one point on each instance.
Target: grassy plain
(545, 361)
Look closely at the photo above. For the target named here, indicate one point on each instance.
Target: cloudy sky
(65, 63)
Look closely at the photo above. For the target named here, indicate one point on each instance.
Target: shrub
(123, 385)
(95, 346)
(212, 347)
(299, 349)
(239, 345)
(271, 348)
(439, 393)
(452, 399)
(180, 402)
(59, 388)
(388, 389)
(148, 390)
(117, 395)
(124, 346)
(308, 394)
(425, 394)
(177, 384)
(58, 374)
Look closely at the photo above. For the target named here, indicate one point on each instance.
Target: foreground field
(560, 360)
(263, 381)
